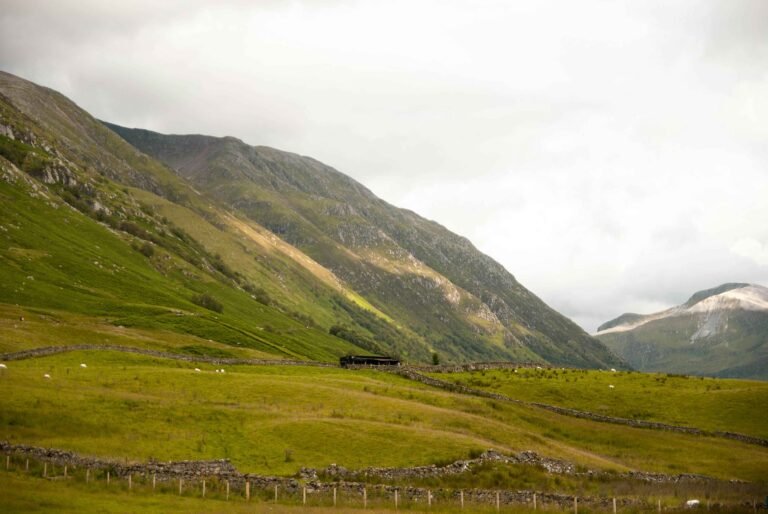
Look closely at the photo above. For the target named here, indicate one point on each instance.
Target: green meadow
(706, 403)
(276, 419)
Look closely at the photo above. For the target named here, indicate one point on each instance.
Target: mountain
(464, 304)
(721, 331)
(247, 246)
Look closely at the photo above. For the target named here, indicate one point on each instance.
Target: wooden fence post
(334, 496)
(461, 498)
(614, 506)
(304, 495)
(107, 477)
(395, 499)
(365, 498)
(275, 493)
(227, 497)
(45, 469)
(154, 480)
(87, 475)
(181, 484)
(534, 501)
(498, 503)
(575, 505)
(65, 471)
(247, 490)
(7, 462)
(429, 498)
(203, 488)
(26, 465)
(130, 481)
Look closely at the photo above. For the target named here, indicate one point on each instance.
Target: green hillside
(460, 302)
(107, 231)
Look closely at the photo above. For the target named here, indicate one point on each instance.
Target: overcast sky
(612, 155)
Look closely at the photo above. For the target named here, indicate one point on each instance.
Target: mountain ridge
(263, 229)
(720, 331)
(382, 236)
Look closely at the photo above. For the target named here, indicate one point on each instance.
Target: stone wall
(51, 350)
(410, 373)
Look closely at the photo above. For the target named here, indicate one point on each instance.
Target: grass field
(707, 403)
(26, 494)
(275, 419)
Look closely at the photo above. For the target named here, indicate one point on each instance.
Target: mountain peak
(706, 293)
(718, 331)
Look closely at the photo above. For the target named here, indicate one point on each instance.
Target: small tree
(435, 359)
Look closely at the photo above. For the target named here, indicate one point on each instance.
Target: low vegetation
(706, 403)
(140, 408)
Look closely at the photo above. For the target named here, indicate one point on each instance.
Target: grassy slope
(708, 403)
(80, 266)
(459, 301)
(139, 407)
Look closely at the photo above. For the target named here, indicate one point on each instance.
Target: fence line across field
(328, 494)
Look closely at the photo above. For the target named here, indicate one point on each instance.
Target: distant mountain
(246, 245)
(721, 331)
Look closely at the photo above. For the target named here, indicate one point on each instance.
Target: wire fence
(348, 495)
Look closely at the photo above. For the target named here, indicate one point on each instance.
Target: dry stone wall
(411, 374)
(51, 350)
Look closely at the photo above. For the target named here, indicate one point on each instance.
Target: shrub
(147, 249)
(208, 302)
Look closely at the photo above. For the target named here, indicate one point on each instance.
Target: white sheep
(222, 370)
(610, 386)
(3, 366)
(613, 370)
(83, 365)
(197, 370)
(46, 376)
(692, 504)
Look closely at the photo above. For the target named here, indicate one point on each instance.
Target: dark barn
(367, 360)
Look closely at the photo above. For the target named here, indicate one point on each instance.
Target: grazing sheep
(538, 367)
(613, 370)
(46, 376)
(222, 370)
(610, 386)
(690, 504)
(83, 365)
(3, 366)
(197, 369)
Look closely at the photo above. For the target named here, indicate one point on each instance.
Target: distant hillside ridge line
(654, 425)
(53, 350)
